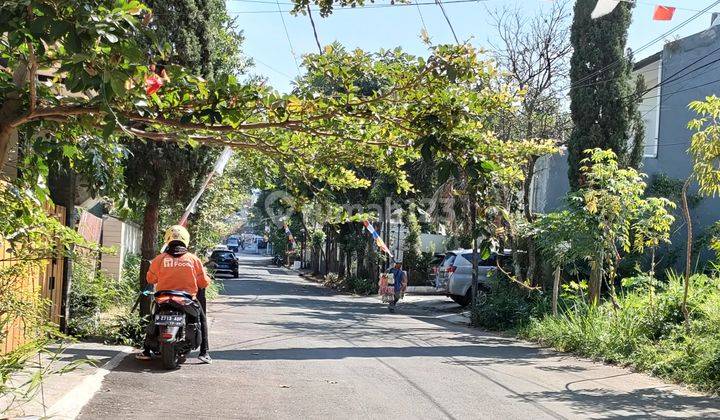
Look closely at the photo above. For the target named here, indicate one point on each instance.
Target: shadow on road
(641, 403)
(499, 354)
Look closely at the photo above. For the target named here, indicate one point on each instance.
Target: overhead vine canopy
(77, 64)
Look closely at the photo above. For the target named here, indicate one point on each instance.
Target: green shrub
(91, 293)
(647, 331)
(214, 290)
(360, 286)
(96, 300)
(505, 305)
(352, 284)
(127, 329)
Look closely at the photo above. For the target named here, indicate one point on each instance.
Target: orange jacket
(185, 273)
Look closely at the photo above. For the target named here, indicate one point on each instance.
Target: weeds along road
(285, 348)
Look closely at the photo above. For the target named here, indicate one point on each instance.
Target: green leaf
(489, 166)
(69, 151)
(73, 43)
(108, 129)
(117, 82)
(485, 251)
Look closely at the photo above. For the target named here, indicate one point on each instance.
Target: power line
(422, 19)
(273, 68)
(663, 95)
(366, 6)
(647, 45)
(447, 2)
(287, 35)
(312, 23)
(447, 19)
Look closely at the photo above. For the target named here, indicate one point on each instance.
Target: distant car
(233, 244)
(455, 274)
(224, 262)
(220, 247)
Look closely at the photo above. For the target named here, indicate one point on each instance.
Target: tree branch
(32, 77)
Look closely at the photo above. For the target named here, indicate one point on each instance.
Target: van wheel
(463, 300)
(170, 358)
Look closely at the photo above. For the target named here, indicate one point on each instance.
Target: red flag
(663, 13)
(153, 83)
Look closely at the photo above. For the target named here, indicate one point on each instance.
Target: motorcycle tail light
(167, 335)
(180, 300)
(177, 299)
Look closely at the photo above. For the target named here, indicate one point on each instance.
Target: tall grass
(646, 332)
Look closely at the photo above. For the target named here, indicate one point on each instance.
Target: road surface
(289, 349)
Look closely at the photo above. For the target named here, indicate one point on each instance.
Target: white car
(455, 274)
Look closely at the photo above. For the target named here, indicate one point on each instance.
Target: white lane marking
(69, 406)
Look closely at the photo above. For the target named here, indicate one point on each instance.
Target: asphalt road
(286, 348)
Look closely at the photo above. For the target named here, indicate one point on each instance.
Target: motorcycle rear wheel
(170, 358)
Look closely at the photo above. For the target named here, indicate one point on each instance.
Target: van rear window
(449, 259)
(485, 263)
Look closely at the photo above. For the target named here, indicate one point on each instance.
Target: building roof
(648, 60)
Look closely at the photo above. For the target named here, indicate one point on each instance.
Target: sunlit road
(286, 348)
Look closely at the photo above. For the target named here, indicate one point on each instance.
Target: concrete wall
(550, 183)
(671, 158)
(674, 136)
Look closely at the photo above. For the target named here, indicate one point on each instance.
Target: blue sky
(375, 28)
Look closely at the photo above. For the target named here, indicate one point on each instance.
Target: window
(650, 105)
(449, 259)
(222, 255)
(481, 263)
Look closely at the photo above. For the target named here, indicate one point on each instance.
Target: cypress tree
(604, 102)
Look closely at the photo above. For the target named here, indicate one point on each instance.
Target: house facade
(686, 70)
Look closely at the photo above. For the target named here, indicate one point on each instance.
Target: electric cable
(287, 35)
(447, 19)
(649, 44)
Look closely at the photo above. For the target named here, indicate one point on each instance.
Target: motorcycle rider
(178, 269)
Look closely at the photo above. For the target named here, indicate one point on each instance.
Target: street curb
(69, 406)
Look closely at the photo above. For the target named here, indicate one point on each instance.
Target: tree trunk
(341, 263)
(595, 279)
(556, 291)
(5, 138)
(688, 252)
(528, 212)
(328, 238)
(10, 111)
(315, 255)
(148, 246)
(348, 263)
(372, 258)
(361, 267)
(652, 278)
(475, 262)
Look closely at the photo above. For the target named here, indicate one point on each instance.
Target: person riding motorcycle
(178, 269)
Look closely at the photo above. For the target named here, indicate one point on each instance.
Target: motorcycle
(176, 330)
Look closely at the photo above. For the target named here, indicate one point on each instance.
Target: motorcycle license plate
(172, 320)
